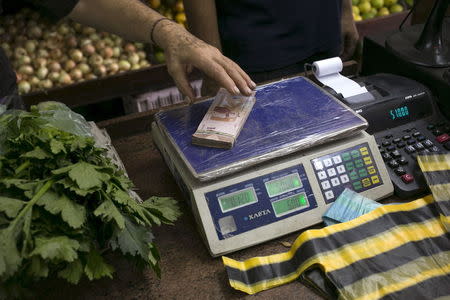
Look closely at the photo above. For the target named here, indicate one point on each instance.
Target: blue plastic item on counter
(348, 206)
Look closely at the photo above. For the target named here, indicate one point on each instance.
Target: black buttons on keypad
(393, 164)
(421, 138)
(396, 154)
(419, 146)
(400, 149)
(427, 143)
(410, 149)
(437, 132)
(436, 149)
(402, 161)
(400, 171)
(390, 148)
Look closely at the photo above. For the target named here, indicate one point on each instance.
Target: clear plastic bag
(50, 113)
(60, 116)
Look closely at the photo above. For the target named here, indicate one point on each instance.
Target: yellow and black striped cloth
(397, 251)
(436, 169)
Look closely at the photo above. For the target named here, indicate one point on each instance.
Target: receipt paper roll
(327, 72)
(327, 66)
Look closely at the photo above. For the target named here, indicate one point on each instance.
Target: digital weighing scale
(299, 149)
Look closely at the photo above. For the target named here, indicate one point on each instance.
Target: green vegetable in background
(63, 204)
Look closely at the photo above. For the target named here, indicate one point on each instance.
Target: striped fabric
(436, 169)
(395, 249)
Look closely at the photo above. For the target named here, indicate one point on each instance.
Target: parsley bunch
(63, 204)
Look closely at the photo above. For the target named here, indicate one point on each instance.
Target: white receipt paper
(327, 72)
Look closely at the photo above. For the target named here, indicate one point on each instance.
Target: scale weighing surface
(288, 116)
(298, 150)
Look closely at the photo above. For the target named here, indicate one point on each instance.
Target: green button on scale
(359, 163)
(362, 172)
(357, 185)
(353, 175)
(355, 153)
(346, 156)
(349, 166)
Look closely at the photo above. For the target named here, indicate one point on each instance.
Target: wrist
(163, 32)
(347, 19)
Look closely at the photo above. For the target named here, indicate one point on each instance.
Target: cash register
(406, 122)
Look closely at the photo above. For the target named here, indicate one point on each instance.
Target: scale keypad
(352, 168)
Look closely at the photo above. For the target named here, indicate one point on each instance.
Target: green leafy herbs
(63, 204)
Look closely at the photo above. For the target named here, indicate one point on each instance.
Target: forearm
(136, 22)
(350, 35)
(130, 19)
(347, 12)
(202, 20)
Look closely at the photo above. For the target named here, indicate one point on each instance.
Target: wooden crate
(382, 24)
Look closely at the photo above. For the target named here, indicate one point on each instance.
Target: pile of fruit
(368, 9)
(46, 55)
(171, 9)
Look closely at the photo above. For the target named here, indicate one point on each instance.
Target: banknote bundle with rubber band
(224, 120)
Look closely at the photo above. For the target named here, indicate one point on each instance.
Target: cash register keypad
(397, 149)
(352, 168)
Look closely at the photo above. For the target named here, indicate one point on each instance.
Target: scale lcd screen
(289, 204)
(237, 199)
(283, 185)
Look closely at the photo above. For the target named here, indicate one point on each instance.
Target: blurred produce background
(369, 9)
(46, 55)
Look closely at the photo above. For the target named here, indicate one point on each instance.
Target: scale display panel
(284, 184)
(288, 116)
(237, 199)
(260, 201)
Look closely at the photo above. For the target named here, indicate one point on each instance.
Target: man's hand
(349, 32)
(133, 20)
(184, 51)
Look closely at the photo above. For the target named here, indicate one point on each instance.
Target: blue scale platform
(288, 116)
